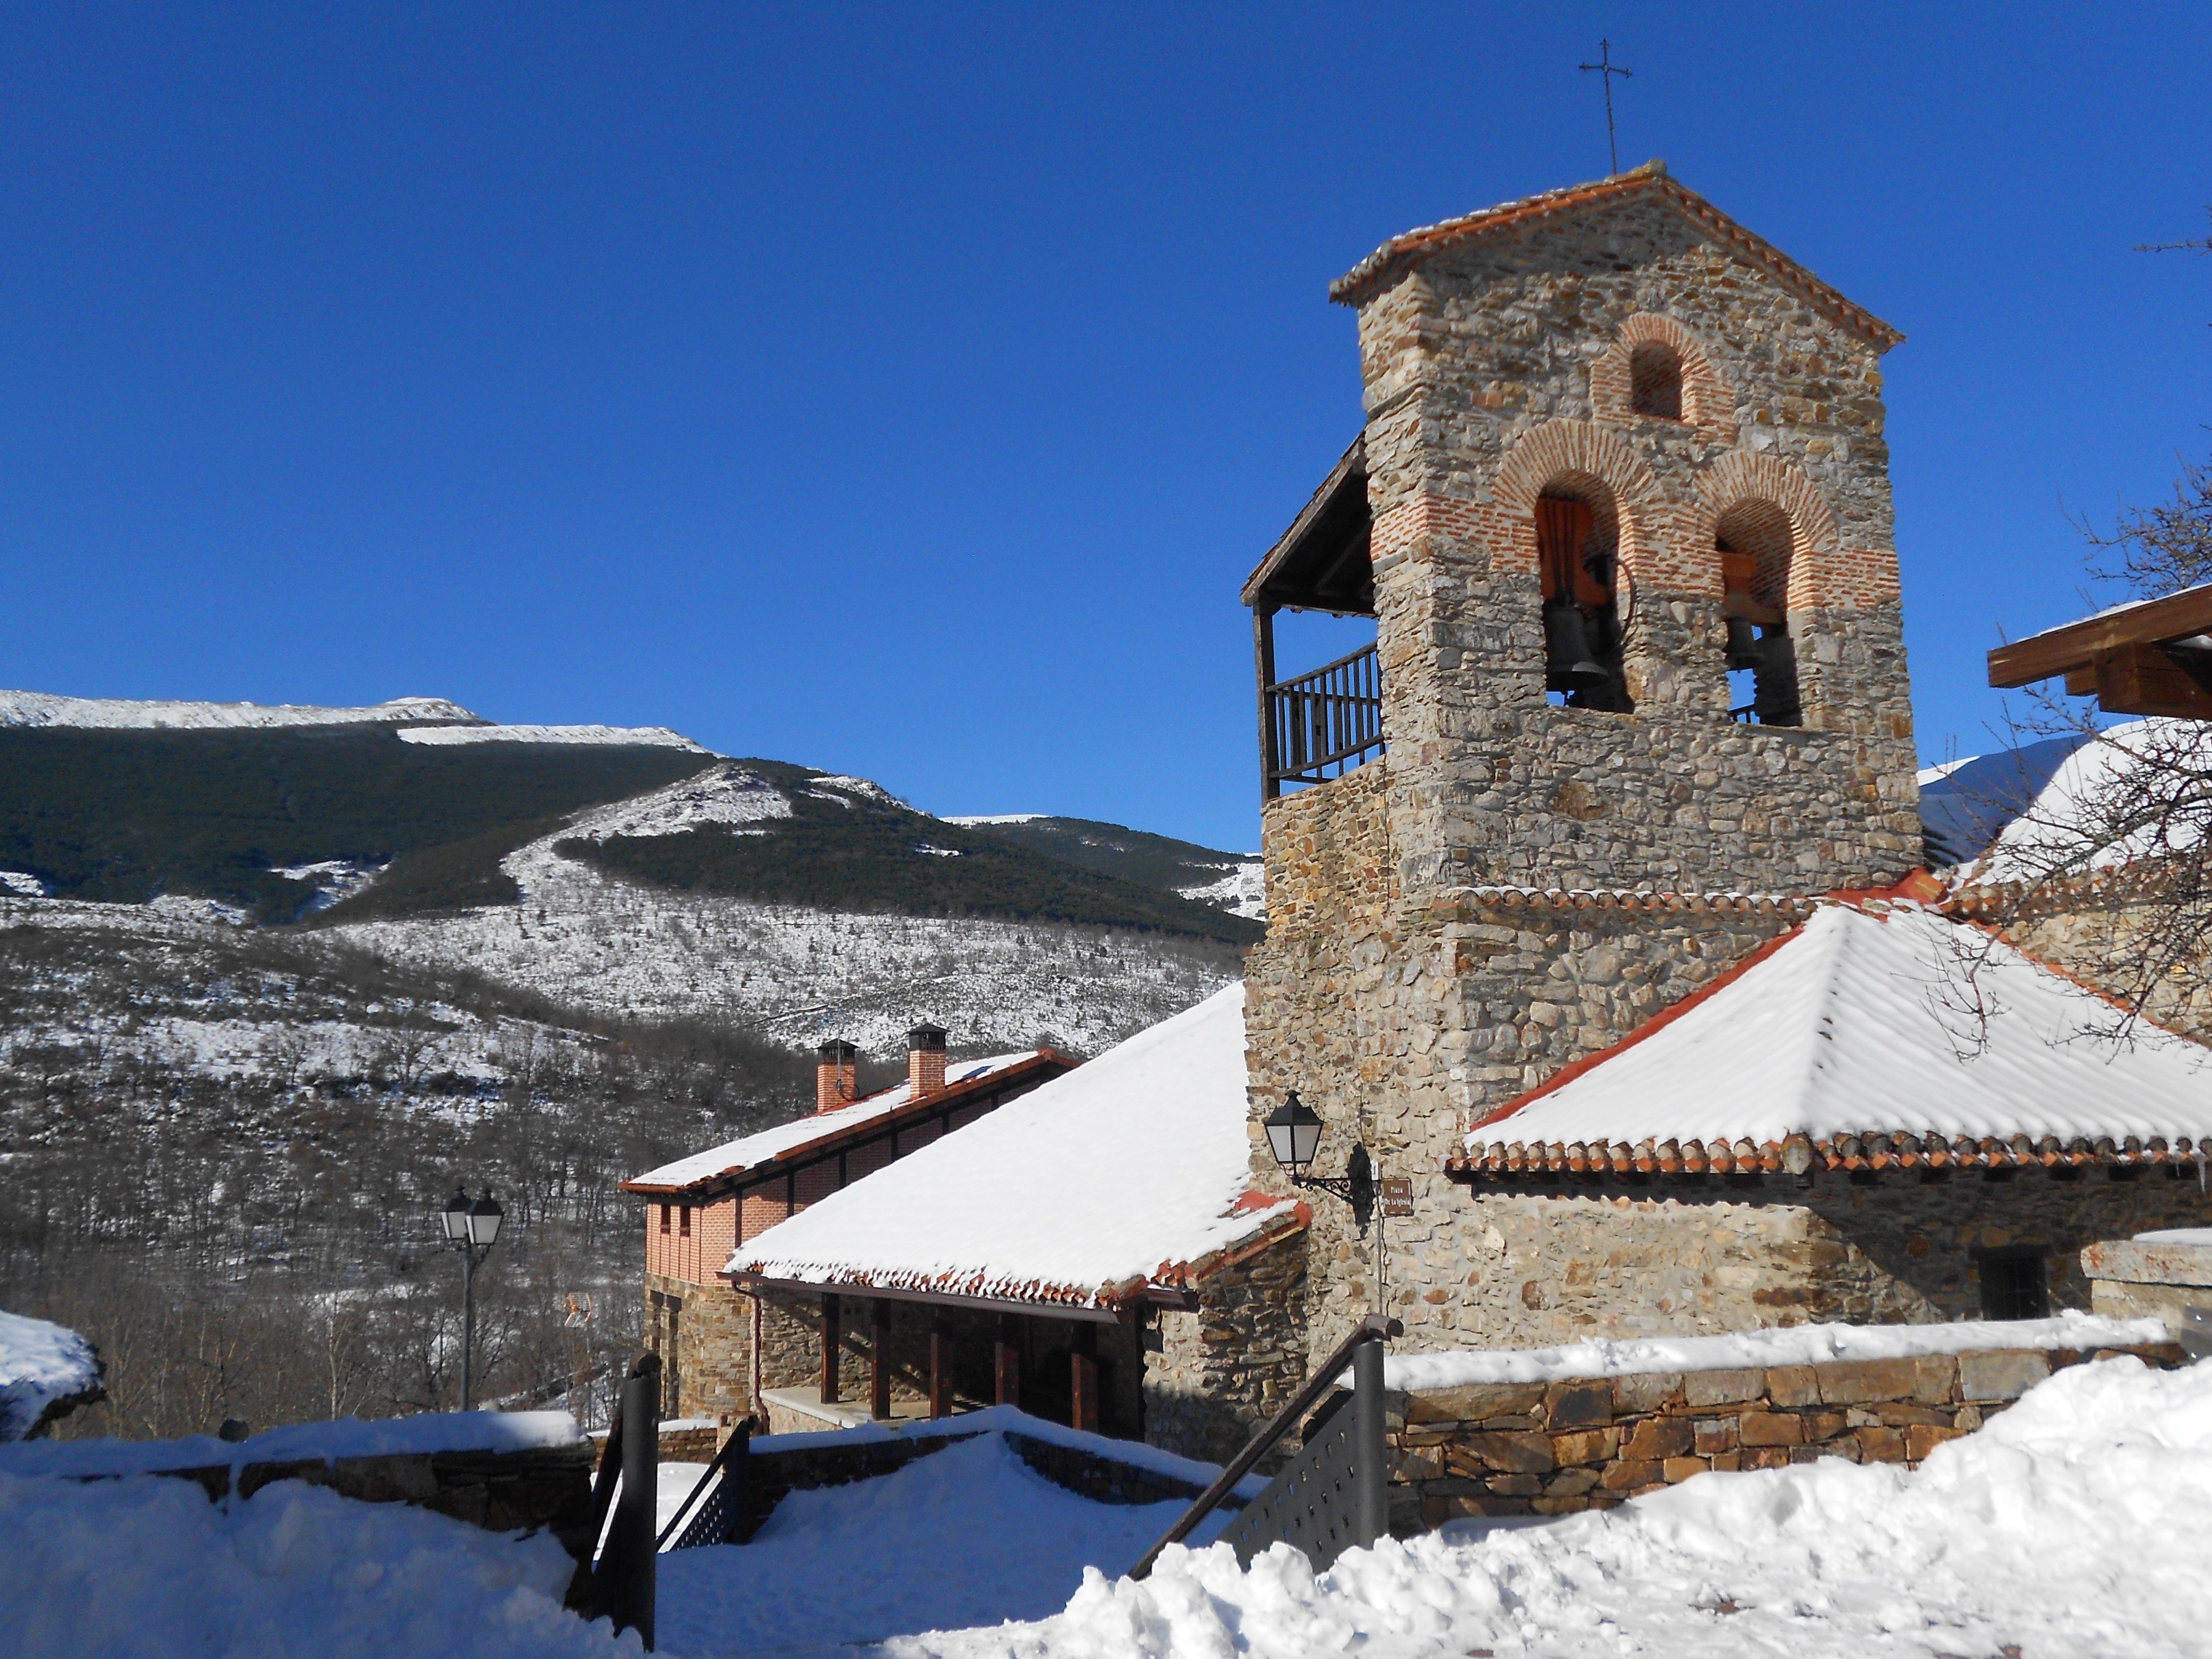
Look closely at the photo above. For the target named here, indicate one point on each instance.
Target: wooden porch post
(940, 1368)
(1263, 652)
(1006, 1361)
(829, 1335)
(879, 1359)
(1083, 1379)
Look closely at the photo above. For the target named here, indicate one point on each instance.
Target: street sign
(1397, 1196)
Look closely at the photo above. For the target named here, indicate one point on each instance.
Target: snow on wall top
(40, 1363)
(749, 1152)
(296, 1443)
(43, 708)
(1795, 1345)
(1860, 1022)
(656, 736)
(1036, 1203)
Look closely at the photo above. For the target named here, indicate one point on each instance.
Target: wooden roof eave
(2077, 645)
(708, 1188)
(1111, 1313)
(1331, 501)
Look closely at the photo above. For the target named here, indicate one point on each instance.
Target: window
(1575, 549)
(1655, 381)
(2015, 1284)
(664, 1217)
(684, 1223)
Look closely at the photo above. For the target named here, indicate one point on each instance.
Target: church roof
(1127, 1173)
(1401, 253)
(1876, 1034)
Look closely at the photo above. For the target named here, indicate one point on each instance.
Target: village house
(1599, 955)
(700, 1208)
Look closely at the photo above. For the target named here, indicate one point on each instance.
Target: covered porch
(840, 1360)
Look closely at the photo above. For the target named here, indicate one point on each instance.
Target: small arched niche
(1654, 380)
(1755, 542)
(1578, 558)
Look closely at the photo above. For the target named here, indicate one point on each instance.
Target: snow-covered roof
(734, 1157)
(41, 1364)
(1128, 1170)
(2069, 824)
(1870, 1019)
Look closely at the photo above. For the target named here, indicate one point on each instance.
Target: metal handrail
(1373, 1329)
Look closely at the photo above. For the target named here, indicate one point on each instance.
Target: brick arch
(1588, 460)
(1708, 400)
(1743, 479)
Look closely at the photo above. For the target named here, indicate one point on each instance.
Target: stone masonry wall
(713, 1363)
(1553, 1448)
(1223, 1369)
(1540, 1263)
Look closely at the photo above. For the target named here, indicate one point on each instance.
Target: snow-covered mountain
(798, 903)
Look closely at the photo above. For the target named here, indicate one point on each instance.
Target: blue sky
(908, 391)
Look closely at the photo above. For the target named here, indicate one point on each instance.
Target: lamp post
(1294, 1136)
(471, 1228)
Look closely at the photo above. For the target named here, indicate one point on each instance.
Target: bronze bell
(1568, 665)
(1743, 651)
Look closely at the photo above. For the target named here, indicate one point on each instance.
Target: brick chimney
(836, 1075)
(925, 1060)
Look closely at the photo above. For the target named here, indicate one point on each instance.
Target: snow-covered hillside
(125, 714)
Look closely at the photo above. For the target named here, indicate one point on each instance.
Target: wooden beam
(1083, 1379)
(2040, 656)
(2141, 679)
(1263, 652)
(1007, 1362)
(830, 1333)
(879, 1359)
(940, 1368)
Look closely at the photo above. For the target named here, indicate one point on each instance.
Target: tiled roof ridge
(920, 1105)
(1868, 1150)
(1402, 251)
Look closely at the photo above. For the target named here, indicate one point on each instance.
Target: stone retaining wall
(1497, 1448)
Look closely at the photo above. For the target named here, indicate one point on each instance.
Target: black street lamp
(1294, 1136)
(471, 1228)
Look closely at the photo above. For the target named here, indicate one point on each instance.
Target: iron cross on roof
(1608, 68)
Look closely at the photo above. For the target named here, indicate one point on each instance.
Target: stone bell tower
(1622, 512)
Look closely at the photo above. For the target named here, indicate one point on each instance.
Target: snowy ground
(967, 1535)
(2071, 1527)
(147, 1568)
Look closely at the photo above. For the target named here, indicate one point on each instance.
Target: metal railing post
(627, 1565)
(1370, 1443)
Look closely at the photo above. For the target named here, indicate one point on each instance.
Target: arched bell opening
(1754, 540)
(1578, 555)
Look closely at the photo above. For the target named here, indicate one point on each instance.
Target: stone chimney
(925, 1060)
(836, 1075)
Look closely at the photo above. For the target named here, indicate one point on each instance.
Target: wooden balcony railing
(1321, 725)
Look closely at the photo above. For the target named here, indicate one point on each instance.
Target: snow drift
(2073, 1525)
